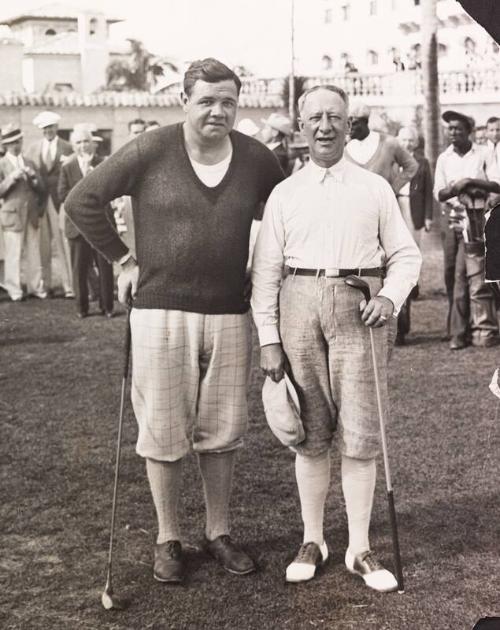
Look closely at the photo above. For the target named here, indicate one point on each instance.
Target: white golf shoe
(309, 558)
(367, 565)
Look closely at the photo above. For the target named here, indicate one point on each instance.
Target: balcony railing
(471, 85)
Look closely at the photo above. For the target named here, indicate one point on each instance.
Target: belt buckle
(332, 272)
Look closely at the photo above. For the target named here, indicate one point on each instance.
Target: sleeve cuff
(123, 259)
(269, 335)
(394, 297)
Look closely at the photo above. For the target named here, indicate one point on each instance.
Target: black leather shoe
(169, 563)
(457, 344)
(232, 558)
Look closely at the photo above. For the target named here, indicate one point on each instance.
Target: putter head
(358, 283)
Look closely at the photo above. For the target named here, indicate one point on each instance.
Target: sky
(254, 33)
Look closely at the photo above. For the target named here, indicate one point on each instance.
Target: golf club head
(358, 283)
(111, 602)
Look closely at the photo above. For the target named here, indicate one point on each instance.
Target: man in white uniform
(49, 154)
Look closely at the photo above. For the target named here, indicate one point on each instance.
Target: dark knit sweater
(191, 240)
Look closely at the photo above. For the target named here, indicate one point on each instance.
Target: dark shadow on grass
(19, 341)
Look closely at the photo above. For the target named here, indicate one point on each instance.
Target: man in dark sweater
(196, 187)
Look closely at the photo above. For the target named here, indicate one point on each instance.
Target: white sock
(165, 481)
(313, 480)
(358, 485)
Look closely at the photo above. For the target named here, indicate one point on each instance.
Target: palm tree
(430, 80)
(140, 71)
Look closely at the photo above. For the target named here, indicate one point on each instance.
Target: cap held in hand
(282, 409)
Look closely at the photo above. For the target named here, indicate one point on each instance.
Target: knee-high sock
(217, 474)
(313, 480)
(165, 482)
(358, 484)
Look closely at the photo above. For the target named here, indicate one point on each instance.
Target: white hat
(282, 409)
(248, 127)
(359, 110)
(280, 122)
(44, 119)
(10, 133)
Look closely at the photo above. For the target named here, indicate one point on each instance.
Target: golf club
(357, 283)
(108, 599)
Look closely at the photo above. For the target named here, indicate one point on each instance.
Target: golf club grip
(395, 541)
(127, 344)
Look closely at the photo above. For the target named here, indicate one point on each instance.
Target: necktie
(48, 158)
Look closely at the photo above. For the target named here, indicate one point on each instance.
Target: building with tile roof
(63, 48)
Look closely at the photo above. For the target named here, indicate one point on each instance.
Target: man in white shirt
(331, 219)
(493, 148)
(462, 170)
(49, 154)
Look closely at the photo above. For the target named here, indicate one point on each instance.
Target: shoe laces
(371, 561)
(306, 552)
(172, 547)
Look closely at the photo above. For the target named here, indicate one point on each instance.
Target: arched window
(93, 26)
(469, 45)
(372, 57)
(326, 62)
(50, 31)
(442, 50)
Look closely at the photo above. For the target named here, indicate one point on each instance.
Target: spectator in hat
(83, 254)
(21, 191)
(275, 135)
(378, 152)
(248, 127)
(461, 173)
(48, 154)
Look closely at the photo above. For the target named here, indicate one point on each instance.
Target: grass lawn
(59, 400)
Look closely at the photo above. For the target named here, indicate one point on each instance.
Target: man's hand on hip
(272, 361)
(377, 312)
(127, 281)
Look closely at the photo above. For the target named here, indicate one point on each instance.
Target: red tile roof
(119, 99)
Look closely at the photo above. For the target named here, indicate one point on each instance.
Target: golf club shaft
(381, 415)
(390, 493)
(118, 445)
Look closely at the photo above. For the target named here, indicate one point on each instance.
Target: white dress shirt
(362, 151)
(16, 160)
(493, 161)
(450, 167)
(344, 217)
(49, 148)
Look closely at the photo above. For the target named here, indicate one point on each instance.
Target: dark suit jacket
(50, 178)
(21, 200)
(69, 176)
(421, 200)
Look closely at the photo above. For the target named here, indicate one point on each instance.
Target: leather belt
(336, 273)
